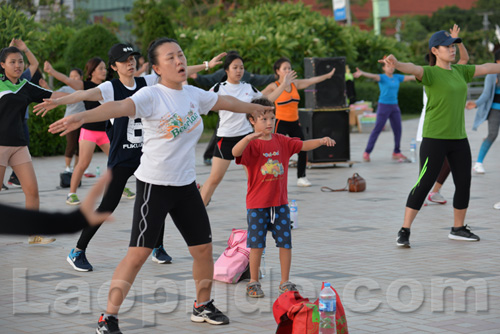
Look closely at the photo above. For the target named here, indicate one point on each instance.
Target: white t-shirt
(421, 120)
(235, 124)
(172, 126)
(74, 108)
(108, 93)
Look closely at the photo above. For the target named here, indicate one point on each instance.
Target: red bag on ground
(234, 261)
(297, 315)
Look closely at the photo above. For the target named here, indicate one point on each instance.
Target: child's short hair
(262, 101)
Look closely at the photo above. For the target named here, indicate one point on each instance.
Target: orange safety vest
(287, 105)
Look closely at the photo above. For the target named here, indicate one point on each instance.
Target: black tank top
(96, 126)
(125, 133)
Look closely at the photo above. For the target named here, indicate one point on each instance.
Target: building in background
(361, 14)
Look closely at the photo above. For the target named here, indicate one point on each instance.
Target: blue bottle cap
(327, 284)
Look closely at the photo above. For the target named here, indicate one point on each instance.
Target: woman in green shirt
(444, 130)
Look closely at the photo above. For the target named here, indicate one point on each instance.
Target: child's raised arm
(242, 144)
(311, 144)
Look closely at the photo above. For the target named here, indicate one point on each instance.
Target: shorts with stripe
(185, 206)
(224, 147)
(275, 219)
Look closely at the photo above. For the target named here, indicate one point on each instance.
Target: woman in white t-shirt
(232, 127)
(172, 125)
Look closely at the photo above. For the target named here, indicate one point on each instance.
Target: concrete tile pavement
(437, 286)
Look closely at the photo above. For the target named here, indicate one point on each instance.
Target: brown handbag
(355, 184)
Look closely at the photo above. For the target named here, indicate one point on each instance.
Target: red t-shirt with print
(267, 165)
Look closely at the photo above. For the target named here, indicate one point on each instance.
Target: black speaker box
(324, 123)
(331, 92)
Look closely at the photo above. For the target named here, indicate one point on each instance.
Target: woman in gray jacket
(488, 106)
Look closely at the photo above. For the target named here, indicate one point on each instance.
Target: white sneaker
(478, 168)
(496, 206)
(67, 169)
(303, 182)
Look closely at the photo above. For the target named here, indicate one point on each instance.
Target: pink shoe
(398, 156)
(366, 157)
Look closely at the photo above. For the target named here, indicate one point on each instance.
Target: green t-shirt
(447, 93)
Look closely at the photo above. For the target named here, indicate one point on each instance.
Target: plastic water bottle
(294, 215)
(98, 171)
(413, 150)
(327, 308)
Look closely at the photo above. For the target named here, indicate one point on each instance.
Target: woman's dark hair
(231, 56)
(262, 101)
(152, 55)
(77, 70)
(5, 53)
(278, 64)
(497, 55)
(432, 58)
(91, 66)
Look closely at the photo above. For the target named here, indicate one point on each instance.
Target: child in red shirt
(265, 155)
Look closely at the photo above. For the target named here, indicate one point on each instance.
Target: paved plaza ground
(348, 239)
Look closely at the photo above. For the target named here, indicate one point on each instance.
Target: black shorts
(224, 147)
(154, 202)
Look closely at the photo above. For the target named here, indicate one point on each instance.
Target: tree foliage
(151, 20)
(15, 24)
(89, 42)
(445, 17)
(268, 32)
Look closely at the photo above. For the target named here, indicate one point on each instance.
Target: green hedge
(410, 95)
(42, 142)
(411, 98)
(210, 120)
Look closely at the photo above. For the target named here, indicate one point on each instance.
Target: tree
(150, 23)
(445, 17)
(265, 33)
(489, 6)
(15, 24)
(93, 41)
(190, 13)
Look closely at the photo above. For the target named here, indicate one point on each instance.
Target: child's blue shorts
(259, 222)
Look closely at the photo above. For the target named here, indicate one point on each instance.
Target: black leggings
(432, 155)
(110, 201)
(293, 129)
(184, 204)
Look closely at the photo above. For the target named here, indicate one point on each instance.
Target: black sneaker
(160, 256)
(4, 187)
(107, 326)
(462, 233)
(78, 260)
(14, 181)
(208, 313)
(403, 237)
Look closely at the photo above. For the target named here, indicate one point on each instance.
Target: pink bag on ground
(234, 261)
